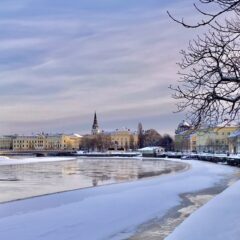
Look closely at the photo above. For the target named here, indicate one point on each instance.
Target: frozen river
(18, 181)
(149, 208)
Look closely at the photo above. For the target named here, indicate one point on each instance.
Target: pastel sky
(62, 60)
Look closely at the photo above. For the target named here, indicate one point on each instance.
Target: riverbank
(218, 219)
(159, 229)
(113, 211)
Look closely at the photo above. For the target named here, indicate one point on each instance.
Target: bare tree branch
(209, 86)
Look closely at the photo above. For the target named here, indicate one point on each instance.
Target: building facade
(6, 142)
(185, 139)
(234, 142)
(214, 140)
(46, 142)
(124, 139)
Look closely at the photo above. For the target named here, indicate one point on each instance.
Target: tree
(131, 143)
(99, 142)
(103, 142)
(87, 143)
(210, 77)
(167, 142)
(152, 138)
(140, 136)
(222, 7)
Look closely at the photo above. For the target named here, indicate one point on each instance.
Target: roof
(185, 124)
(235, 134)
(150, 148)
(226, 123)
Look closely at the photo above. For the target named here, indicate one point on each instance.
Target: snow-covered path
(219, 219)
(107, 212)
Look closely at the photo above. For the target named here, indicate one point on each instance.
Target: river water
(35, 179)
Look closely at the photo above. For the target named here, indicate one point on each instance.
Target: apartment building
(46, 142)
(214, 140)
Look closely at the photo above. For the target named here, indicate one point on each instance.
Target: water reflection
(21, 181)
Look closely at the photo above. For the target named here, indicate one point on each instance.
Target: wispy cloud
(82, 56)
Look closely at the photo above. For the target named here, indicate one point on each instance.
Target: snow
(150, 149)
(235, 134)
(219, 219)
(14, 161)
(107, 212)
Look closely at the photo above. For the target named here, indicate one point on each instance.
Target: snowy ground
(219, 219)
(107, 212)
(14, 161)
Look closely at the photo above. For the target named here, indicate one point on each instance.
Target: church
(121, 139)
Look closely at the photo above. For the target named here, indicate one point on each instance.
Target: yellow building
(46, 142)
(193, 142)
(214, 140)
(124, 139)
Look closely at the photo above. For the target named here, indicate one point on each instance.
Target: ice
(14, 161)
(106, 212)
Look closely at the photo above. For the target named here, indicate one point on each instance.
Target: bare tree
(167, 142)
(140, 135)
(152, 138)
(222, 7)
(210, 69)
(210, 87)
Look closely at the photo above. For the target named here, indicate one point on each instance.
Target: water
(28, 180)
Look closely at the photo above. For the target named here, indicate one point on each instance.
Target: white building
(151, 151)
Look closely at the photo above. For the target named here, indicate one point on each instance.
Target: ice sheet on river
(107, 212)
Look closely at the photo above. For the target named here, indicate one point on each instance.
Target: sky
(62, 60)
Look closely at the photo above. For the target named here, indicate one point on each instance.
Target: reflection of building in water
(72, 168)
(94, 182)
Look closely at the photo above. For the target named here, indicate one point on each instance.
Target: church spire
(95, 127)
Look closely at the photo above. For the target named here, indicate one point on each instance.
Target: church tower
(95, 127)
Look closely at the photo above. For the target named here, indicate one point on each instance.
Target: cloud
(80, 57)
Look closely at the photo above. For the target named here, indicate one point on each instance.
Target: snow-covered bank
(219, 219)
(108, 212)
(14, 161)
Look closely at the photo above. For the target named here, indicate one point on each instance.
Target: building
(6, 142)
(151, 151)
(95, 126)
(46, 142)
(124, 139)
(98, 140)
(234, 142)
(185, 139)
(214, 140)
